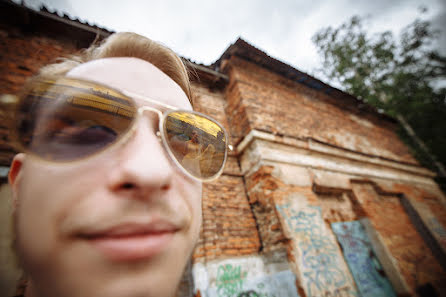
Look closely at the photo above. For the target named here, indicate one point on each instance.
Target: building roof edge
(248, 52)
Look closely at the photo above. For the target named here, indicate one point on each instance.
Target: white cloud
(202, 30)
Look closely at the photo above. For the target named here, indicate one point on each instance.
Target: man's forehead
(136, 76)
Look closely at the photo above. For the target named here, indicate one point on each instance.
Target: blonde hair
(127, 44)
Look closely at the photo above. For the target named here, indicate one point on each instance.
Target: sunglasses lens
(198, 143)
(68, 119)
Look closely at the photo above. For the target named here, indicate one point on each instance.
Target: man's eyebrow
(147, 99)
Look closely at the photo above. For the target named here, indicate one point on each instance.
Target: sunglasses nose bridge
(143, 109)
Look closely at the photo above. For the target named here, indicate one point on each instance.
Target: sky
(201, 30)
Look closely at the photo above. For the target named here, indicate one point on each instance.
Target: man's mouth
(129, 242)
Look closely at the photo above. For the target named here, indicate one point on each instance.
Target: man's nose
(142, 167)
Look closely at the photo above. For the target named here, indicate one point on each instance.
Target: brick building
(319, 198)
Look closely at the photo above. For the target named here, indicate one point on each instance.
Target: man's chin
(148, 266)
(123, 280)
(146, 290)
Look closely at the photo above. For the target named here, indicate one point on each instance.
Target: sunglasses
(65, 119)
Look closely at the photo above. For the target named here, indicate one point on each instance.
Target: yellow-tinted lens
(68, 119)
(197, 143)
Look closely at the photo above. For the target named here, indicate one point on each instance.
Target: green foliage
(397, 75)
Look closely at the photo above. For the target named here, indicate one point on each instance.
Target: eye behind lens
(69, 119)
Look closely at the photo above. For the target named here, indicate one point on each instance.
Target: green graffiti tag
(229, 280)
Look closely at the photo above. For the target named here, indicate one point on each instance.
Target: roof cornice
(242, 49)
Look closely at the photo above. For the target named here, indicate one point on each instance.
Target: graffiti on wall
(320, 262)
(233, 281)
(362, 261)
(229, 280)
(280, 284)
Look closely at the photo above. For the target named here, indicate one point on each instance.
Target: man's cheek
(38, 209)
(197, 221)
(33, 240)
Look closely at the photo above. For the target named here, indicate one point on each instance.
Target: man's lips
(127, 242)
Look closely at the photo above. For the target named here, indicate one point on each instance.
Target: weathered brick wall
(390, 219)
(260, 99)
(229, 228)
(21, 56)
(350, 201)
(280, 175)
(261, 186)
(433, 199)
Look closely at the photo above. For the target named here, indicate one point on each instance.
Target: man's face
(122, 223)
(194, 137)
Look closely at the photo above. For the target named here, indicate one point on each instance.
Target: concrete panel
(248, 276)
(362, 261)
(261, 147)
(319, 261)
(292, 175)
(281, 284)
(327, 151)
(330, 179)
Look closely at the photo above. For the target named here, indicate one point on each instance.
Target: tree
(399, 76)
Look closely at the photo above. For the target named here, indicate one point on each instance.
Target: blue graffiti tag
(319, 254)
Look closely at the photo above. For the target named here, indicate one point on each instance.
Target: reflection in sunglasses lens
(198, 144)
